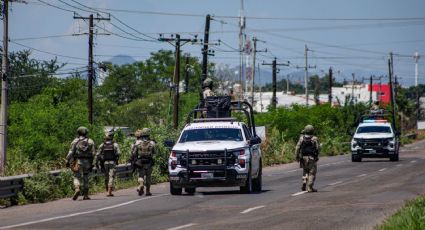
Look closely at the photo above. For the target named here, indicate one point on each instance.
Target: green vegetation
(411, 216)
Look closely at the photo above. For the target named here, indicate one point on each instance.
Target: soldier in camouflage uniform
(207, 88)
(142, 152)
(307, 153)
(107, 156)
(80, 159)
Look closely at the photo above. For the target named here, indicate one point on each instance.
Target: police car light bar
(375, 121)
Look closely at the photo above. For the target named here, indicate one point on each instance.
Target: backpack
(308, 147)
(108, 151)
(144, 152)
(82, 148)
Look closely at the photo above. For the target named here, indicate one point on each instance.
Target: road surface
(351, 196)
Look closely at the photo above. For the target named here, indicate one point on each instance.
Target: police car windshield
(374, 129)
(217, 134)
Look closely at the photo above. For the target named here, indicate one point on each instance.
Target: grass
(411, 217)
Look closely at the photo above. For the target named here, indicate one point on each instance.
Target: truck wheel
(394, 158)
(356, 158)
(174, 190)
(190, 191)
(247, 187)
(257, 182)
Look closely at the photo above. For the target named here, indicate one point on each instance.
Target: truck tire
(175, 190)
(247, 187)
(257, 182)
(394, 158)
(356, 158)
(190, 191)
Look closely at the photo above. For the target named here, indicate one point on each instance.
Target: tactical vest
(82, 149)
(308, 147)
(108, 151)
(144, 152)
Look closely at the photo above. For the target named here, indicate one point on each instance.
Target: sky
(349, 36)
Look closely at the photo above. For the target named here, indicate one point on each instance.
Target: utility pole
(205, 49)
(352, 86)
(186, 75)
(306, 67)
(254, 39)
(390, 74)
(330, 86)
(287, 84)
(177, 44)
(274, 65)
(4, 86)
(241, 43)
(416, 57)
(91, 73)
(370, 89)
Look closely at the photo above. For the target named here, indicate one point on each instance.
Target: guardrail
(11, 185)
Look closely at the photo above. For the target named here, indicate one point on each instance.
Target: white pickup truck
(375, 138)
(216, 152)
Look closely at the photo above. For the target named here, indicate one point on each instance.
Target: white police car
(375, 139)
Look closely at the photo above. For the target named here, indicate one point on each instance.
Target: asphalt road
(351, 196)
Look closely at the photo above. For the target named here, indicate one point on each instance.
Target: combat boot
(148, 192)
(303, 187)
(110, 192)
(86, 195)
(312, 190)
(76, 193)
(140, 191)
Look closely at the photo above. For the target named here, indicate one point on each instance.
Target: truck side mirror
(169, 143)
(254, 140)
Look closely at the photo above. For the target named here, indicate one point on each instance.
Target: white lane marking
(412, 161)
(293, 170)
(252, 209)
(299, 193)
(399, 165)
(182, 226)
(81, 213)
(383, 169)
(335, 183)
(362, 175)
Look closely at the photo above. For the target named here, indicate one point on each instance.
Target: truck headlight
(354, 143)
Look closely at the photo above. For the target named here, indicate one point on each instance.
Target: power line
(47, 52)
(44, 37)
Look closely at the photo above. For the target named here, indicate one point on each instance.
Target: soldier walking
(107, 159)
(142, 152)
(307, 153)
(80, 159)
(207, 86)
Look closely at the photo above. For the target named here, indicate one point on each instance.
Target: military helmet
(82, 131)
(207, 82)
(109, 135)
(146, 132)
(308, 129)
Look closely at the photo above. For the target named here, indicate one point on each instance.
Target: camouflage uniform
(308, 160)
(108, 155)
(142, 152)
(82, 162)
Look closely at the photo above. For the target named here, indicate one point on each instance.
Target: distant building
(361, 93)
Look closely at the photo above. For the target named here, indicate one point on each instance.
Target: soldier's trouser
(81, 178)
(110, 174)
(309, 171)
(145, 176)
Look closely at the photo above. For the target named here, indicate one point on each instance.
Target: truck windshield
(374, 129)
(216, 134)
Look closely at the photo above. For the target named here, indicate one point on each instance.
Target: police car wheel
(175, 190)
